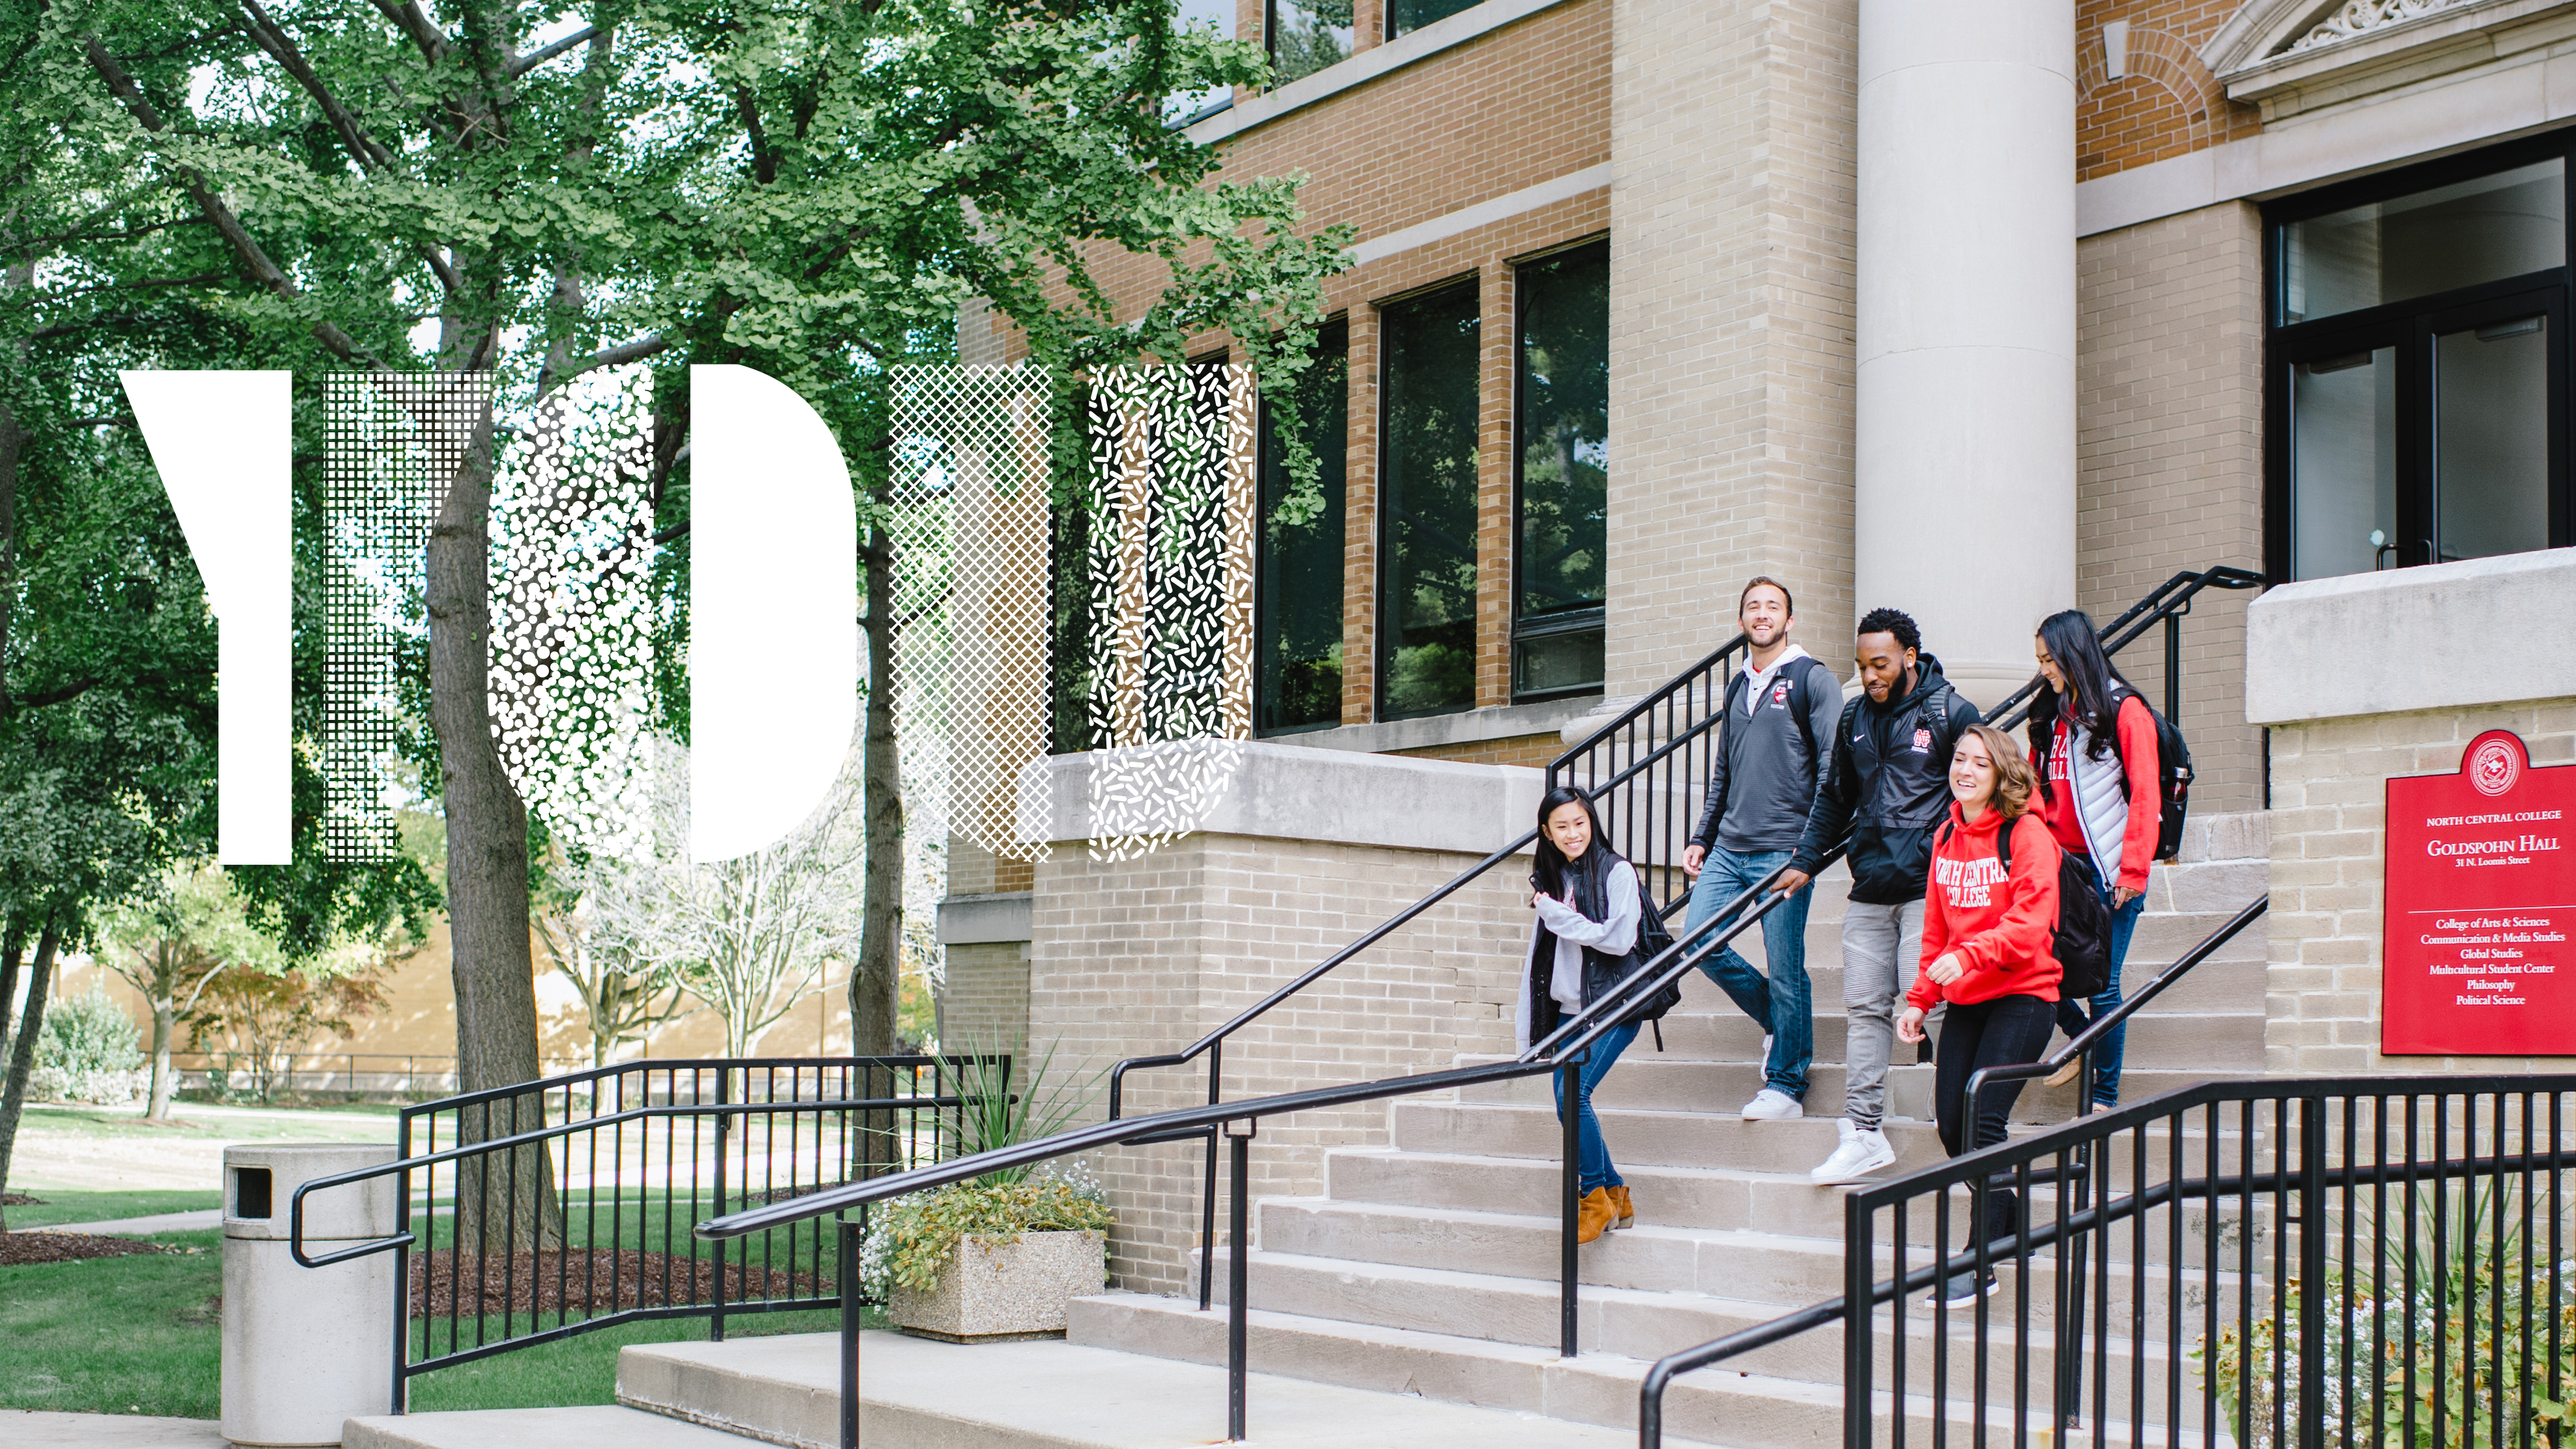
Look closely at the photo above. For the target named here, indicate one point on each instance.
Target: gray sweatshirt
(1779, 724)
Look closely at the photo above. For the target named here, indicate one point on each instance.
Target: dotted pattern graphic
(573, 614)
(1170, 493)
(969, 526)
(393, 443)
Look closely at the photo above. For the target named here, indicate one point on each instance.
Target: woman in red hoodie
(1986, 954)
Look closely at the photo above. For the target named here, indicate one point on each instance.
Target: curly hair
(1891, 621)
(2015, 780)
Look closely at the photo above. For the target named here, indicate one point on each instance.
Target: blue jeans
(2072, 1018)
(1783, 1003)
(1593, 1156)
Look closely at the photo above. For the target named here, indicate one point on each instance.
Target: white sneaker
(1865, 1151)
(1773, 1105)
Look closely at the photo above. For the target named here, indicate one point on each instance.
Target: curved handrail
(2161, 604)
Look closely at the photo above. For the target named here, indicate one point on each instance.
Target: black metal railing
(2166, 605)
(2336, 1261)
(1561, 1051)
(1642, 769)
(537, 1212)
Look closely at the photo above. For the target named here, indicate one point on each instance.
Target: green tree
(171, 945)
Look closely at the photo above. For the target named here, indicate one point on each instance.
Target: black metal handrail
(1857, 1250)
(569, 1197)
(2165, 604)
(1562, 1051)
(1684, 708)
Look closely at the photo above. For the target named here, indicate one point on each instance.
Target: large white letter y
(221, 441)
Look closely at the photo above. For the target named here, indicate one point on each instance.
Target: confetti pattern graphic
(393, 445)
(969, 526)
(573, 615)
(1170, 487)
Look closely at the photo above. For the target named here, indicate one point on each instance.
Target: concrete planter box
(998, 1290)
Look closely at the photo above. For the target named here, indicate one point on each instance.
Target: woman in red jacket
(1986, 954)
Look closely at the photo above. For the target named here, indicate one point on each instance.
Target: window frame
(2411, 327)
(1564, 621)
(1341, 322)
(1387, 629)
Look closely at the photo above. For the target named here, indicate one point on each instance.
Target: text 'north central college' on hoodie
(2001, 928)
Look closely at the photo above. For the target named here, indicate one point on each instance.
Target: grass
(99, 1207)
(140, 1335)
(201, 1121)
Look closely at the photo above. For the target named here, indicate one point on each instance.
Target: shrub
(913, 1238)
(89, 1051)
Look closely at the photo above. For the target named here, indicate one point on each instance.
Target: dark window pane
(1299, 589)
(1306, 36)
(2491, 439)
(1072, 619)
(1427, 602)
(1404, 15)
(2431, 241)
(1563, 437)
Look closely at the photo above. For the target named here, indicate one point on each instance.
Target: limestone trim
(999, 918)
(2448, 636)
(1437, 731)
(1484, 213)
(1367, 65)
(1287, 792)
(2371, 46)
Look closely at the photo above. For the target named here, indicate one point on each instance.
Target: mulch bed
(20, 1199)
(44, 1247)
(597, 1280)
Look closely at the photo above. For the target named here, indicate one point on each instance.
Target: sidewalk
(31, 1429)
(142, 1227)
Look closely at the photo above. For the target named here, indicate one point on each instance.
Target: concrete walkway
(187, 1222)
(31, 1429)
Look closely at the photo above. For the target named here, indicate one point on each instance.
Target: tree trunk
(164, 1018)
(875, 978)
(22, 1059)
(487, 876)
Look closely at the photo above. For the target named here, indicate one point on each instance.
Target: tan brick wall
(1144, 956)
(2169, 377)
(1536, 751)
(2329, 831)
(1731, 318)
(2168, 104)
(985, 999)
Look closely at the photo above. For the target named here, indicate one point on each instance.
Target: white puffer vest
(2101, 793)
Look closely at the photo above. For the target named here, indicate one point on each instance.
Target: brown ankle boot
(1592, 1215)
(1624, 1210)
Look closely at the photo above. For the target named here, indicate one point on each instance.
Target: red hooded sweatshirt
(2002, 930)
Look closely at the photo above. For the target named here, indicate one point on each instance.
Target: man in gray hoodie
(1777, 729)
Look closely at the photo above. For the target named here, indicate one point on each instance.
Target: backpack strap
(1798, 701)
(2003, 842)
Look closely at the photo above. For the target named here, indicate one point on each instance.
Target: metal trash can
(305, 1349)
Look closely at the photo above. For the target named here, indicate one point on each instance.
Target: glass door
(2494, 372)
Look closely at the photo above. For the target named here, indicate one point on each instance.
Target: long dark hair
(2094, 681)
(1549, 873)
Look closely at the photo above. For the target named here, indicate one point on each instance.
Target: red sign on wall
(2481, 904)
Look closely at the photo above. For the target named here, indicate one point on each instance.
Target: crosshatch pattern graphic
(1170, 495)
(968, 520)
(393, 443)
(572, 612)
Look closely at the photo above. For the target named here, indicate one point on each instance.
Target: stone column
(1964, 508)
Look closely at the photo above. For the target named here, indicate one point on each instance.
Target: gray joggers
(1882, 949)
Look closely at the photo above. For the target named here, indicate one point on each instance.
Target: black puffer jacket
(1890, 787)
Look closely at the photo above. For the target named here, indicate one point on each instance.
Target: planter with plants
(997, 1258)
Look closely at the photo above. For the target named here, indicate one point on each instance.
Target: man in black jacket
(1890, 788)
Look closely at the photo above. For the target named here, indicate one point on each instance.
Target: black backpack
(2082, 944)
(2173, 777)
(1654, 938)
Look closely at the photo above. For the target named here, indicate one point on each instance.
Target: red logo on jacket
(1922, 742)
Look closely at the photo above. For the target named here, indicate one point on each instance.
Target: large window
(1307, 35)
(1297, 596)
(1561, 462)
(1426, 652)
(1404, 15)
(2419, 381)
(1183, 107)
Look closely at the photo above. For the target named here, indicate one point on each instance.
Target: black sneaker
(1961, 1290)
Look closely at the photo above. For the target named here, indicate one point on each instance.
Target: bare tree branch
(540, 56)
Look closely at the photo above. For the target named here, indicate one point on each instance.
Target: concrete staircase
(1416, 1303)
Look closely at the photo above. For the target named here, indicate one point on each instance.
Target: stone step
(537, 1429)
(1056, 1395)
(1730, 1405)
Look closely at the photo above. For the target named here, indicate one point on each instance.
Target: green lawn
(364, 1121)
(140, 1335)
(99, 1207)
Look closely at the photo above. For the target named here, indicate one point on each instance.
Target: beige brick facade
(1145, 956)
(1730, 318)
(985, 999)
(2329, 783)
(2169, 377)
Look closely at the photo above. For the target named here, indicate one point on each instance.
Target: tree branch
(263, 271)
(266, 34)
(408, 19)
(541, 55)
